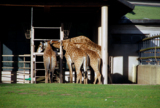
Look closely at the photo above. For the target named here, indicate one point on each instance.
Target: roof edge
(128, 4)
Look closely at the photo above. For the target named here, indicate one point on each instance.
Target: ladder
(34, 62)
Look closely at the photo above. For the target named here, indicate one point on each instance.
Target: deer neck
(48, 46)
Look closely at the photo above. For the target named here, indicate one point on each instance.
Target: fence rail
(7, 74)
(149, 52)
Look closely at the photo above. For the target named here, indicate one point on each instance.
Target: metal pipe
(61, 55)
(46, 27)
(32, 45)
(31, 17)
(45, 39)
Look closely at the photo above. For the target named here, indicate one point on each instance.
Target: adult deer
(95, 61)
(89, 44)
(74, 55)
(49, 59)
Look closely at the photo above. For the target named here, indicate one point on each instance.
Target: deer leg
(70, 69)
(79, 77)
(95, 79)
(46, 66)
(85, 70)
(50, 74)
(85, 78)
(53, 65)
(99, 78)
(79, 73)
(46, 75)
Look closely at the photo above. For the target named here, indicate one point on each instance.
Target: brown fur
(88, 43)
(95, 61)
(49, 59)
(40, 47)
(56, 44)
(74, 55)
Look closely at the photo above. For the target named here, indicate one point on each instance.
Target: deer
(89, 44)
(49, 59)
(94, 60)
(74, 55)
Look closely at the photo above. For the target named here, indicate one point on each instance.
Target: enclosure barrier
(9, 75)
(35, 62)
(34, 54)
(150, 50)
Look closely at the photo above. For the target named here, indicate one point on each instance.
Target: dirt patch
(88, 91)
(10, 92)
(110, 97)
(23, 93)
(82, 93)
(52, 91)
(42, 94)
(65, 94)
(21, 90)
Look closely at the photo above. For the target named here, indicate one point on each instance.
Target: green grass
(79, 96)
(144, 12)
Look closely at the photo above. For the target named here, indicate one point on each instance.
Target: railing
(35, 62)
(34, 54)
(10, 72)
(150, 50)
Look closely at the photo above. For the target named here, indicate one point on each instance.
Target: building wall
(124, 49)
(148, 74)
(13, 44)
(136, 29)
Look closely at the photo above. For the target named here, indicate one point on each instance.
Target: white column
(32, 45)
(32, 51)
(104, 47)
(61, 54)
(99, 36)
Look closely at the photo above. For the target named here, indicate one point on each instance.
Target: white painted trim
(99, 36)
(145, 3)
(104, 47)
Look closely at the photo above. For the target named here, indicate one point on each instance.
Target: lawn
(144, 12)
(79, 96)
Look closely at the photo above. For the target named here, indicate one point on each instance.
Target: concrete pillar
(104, 47)
(99, 36)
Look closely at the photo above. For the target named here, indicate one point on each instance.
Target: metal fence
(149, 52)
(16, 70)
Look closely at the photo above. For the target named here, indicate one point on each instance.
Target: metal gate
(34, 54)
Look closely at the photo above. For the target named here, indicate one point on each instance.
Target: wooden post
(104, 47)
